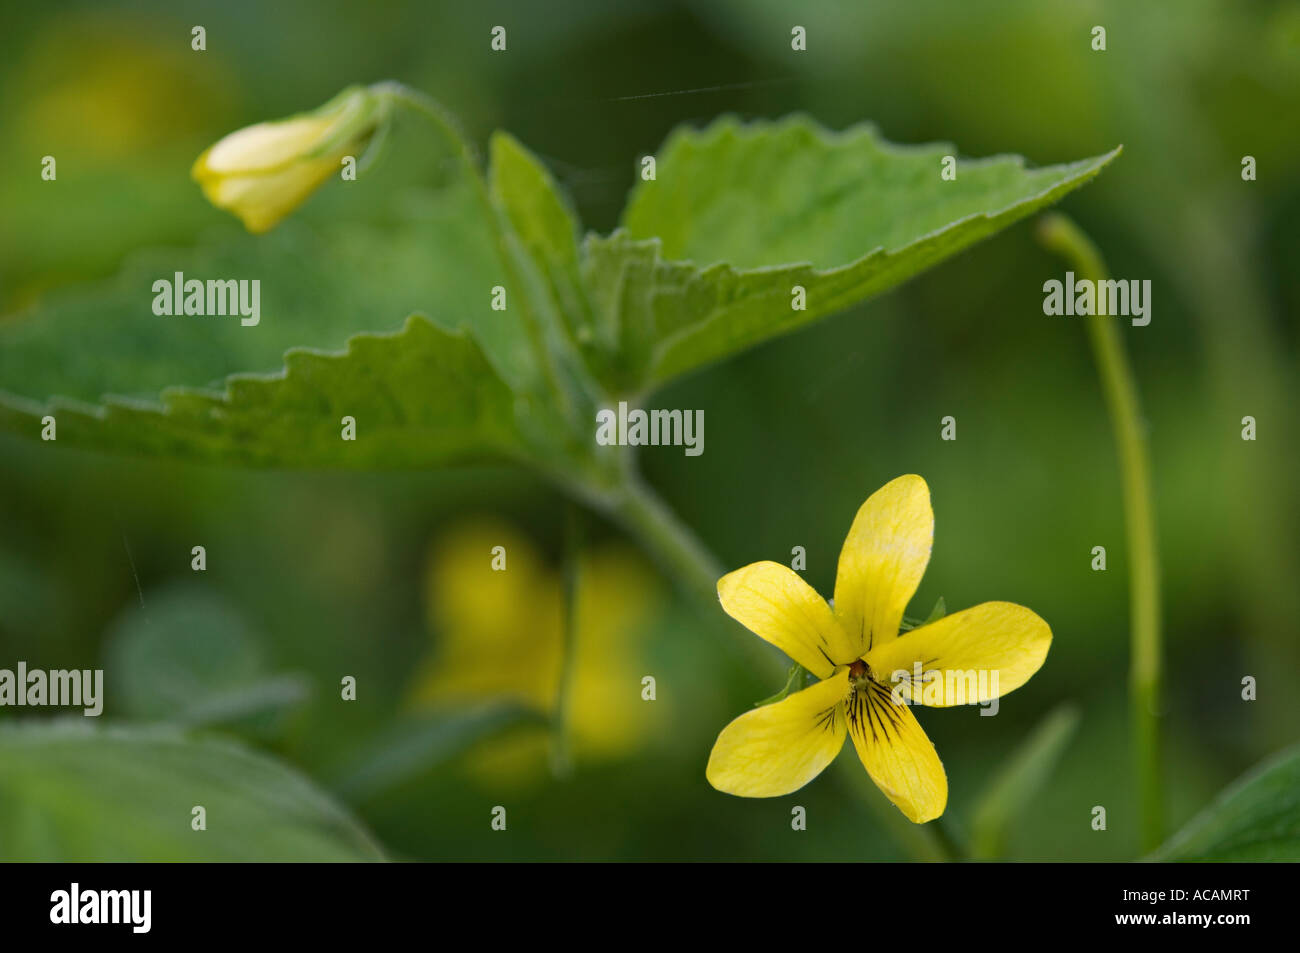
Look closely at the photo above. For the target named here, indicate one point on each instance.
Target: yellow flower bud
(263, 172)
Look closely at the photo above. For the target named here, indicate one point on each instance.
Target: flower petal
(779, 748)
(979, 653)
(897, 753)
(773, 602)
(263, 172)
(266, 145)
(883, 559)
(261, 200)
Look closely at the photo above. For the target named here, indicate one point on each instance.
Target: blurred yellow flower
(132, 96)
(856, 650)
(501, 636)
(263, 172)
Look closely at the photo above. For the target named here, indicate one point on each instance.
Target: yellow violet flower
(868, 672)
(502, 636)
(263, 172)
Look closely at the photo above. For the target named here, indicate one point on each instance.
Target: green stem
(921, 842)
(1118, 385)
(561, 755)
(953, 848)
(681, 554)
(442, 120)
(670, 540)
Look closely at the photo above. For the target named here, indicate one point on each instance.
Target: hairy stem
(1118, 385)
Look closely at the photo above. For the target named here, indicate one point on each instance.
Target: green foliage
(215, 673)
(69, 792)
(938, 612)
(702, 269)
(739, 214)
(328, 564)
(1018, 781)
(421, 396)
(1257, 818)
(391, 323)
(793, 682)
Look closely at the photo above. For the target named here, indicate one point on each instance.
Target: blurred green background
(312, 576)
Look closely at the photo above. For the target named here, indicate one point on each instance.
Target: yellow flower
(263, 172)
(868, 672)
(502, 637)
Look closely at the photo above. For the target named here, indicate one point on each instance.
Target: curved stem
(1118, 385)
(680, 552)
(432, 110)
(668, 538)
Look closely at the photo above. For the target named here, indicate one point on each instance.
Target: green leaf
(546, 225)
(1018, 780)
(117, 376)
(540, 246)
(740, 213)
(702, 268)
(420, 396)
(214, 674)
(1257, 818)
(73, 792)
(438, 256)
(938, 612)
(463, 385)
(795, 678)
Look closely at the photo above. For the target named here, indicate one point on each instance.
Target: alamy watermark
(216, 297)
(133, 908)
(946, 687)
(58, 688)
(1083, 296)
(650, 428)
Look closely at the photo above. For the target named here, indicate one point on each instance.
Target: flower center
(859, 673)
